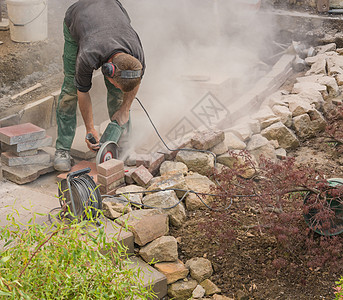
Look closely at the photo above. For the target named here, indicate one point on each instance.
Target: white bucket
(28, 20)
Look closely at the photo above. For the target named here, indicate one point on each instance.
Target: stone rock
(282, 134)
(173, 167)
(284, 114)
(182, 290)
(326, 48)
(299, 107)
(339, 79)
(163, 249)
(220, 148)
(259, 145)
(328, 81)
(319, 67)
(312, 97)
(235, 159)
(145, 224)
(164, 199)
(201, 184)
(318, 122)
(199, 162)
(174, 271)
(198, 292)
(273, 99)
(210, 287)
(200, 268)
(280, 153)
(220, 297)
(264, 114)
(132, 192)
(308, 86)
(242, 131)
(113, 208)
(302, 126)
(169, 181)
(233, 142)
(207, 139)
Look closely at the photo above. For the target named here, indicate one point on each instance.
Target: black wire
(190, 150)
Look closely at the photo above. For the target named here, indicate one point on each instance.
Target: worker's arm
(85, 105)
(123, 113)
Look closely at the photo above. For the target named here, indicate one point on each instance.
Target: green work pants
(67, 101)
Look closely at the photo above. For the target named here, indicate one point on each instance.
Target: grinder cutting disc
(107, 151)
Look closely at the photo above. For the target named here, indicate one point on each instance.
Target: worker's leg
(66, 106)
(67, 102)
(114, 101)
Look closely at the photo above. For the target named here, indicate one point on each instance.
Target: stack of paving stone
(21, 149)
(110, 176)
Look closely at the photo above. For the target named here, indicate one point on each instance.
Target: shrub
(276, 194)
(71, 260)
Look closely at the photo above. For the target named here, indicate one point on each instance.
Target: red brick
(155, 162)
(143, 159)
(142, 176)
(106, 180)
(21, 133)
(110, 189)
(110, 167)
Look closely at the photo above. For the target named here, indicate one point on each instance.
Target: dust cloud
(188, 44)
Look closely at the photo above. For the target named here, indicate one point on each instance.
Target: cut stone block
(199, 162)
(107, 180)
(132, 192)
(182, 289)
(150, 276)
(79, 147)
(141, 175)
(39, 112)
(109, 189)
(25, 174)
(29, 145)
(200, 268)
(26, 153)
(11, 160)
(146, 225)
(114, 231)
(21, 133)
(110, 167)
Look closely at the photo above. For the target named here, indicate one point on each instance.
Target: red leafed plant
(297, 206)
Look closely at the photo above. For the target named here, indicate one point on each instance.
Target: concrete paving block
(79, 147)
(107, 180)
(11, 160)
(21, 133)
(25, 174)
(114, 231)
(141, 175)
(149, 276)
(4, 24)
(110, 167)
(79, 166)
(156, 160)
(109, 189)
(29, 145)
(26, 153)
(128, 175)
(39, 112)
(10, 120)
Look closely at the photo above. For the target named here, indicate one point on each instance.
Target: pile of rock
(21, 147)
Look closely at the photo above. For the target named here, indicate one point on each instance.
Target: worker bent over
(97, 34)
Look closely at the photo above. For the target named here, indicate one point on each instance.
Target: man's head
(124, 61)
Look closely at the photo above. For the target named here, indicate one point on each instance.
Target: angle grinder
(108, 144)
